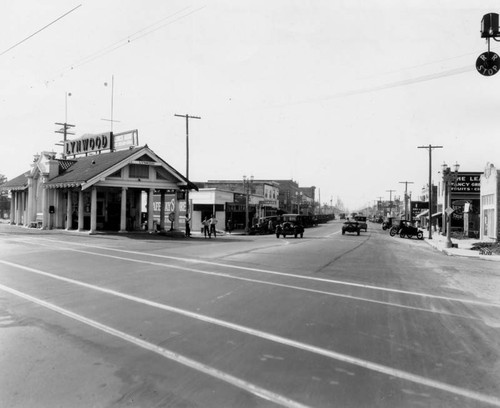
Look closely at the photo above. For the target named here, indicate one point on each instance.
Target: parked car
(351, 226)
(263, 227)
(407, 230)
(290, 225)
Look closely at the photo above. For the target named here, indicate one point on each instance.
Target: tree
(4, 198)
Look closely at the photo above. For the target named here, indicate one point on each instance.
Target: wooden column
(123, 211)
(69, 207)
(80, 211)
(93, 211)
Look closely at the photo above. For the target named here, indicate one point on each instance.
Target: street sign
(449, 211)
(488, 63)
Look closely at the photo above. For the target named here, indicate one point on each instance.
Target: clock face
(488, 63)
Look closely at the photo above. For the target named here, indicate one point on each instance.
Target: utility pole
(381, 205)
(112, 102)
(65, 126)
(65, 133)
(187, 154)
(390, 201)
(430, 147)
(406, 196)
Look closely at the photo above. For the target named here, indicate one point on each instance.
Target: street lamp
(247, 185)
(448, 178)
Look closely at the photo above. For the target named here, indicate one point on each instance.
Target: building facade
(95, 191)
(490, 204)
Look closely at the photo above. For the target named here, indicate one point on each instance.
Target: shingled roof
(79, 171)
(17, 183)
(85, 168)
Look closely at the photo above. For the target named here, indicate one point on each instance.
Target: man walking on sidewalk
(213, 225)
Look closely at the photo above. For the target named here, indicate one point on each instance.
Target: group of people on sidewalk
(209, 226)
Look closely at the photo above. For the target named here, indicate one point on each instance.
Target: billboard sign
(467, 183)
(88, 144)
(91, 143)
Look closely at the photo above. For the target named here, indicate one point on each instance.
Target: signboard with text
(467, 183)
(417, 207)
(91, 143)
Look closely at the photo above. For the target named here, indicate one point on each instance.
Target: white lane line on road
(332, 234)
(266, 271)
(281, 340)
(171, 355)
(263, 282)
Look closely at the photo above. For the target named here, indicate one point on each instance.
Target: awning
(426, 212)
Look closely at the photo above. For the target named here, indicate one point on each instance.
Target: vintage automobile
(361, 219)
(263, 225)
(351, 226)
(290, 225)
(406, 229)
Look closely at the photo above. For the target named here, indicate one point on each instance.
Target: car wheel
(420, 235)
(393, 232)
(402, 235)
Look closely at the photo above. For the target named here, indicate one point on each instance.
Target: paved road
(323, 321)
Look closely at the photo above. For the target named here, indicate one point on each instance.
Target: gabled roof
(85, 168)
(17, 183)
(85, 171)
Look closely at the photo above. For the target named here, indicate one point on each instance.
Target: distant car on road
(361, 219)
(351, 226)
(291, 225)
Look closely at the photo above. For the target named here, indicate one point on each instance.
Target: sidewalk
(438, 241)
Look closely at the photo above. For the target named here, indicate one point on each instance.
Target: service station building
(99, 183)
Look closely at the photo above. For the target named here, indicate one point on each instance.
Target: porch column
(31, 214)
(93, 210)
(69, 215)
(123, 211)
(13, 208)
(80, 210)
(45, 206)
(150, 210)
(25, 209)
(18, 208)
(162, 211)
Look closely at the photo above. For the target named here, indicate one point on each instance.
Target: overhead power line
(41, 29)
(174, 17)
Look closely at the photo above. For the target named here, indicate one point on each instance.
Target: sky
(337, 94)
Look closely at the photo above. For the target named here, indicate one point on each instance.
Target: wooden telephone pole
(406, 196)
(430, 147)
(187, 153)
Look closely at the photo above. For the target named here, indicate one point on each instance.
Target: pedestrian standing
(206, 227)
(213, 225)
(188, 227)
(270, 226)
(229, 226)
